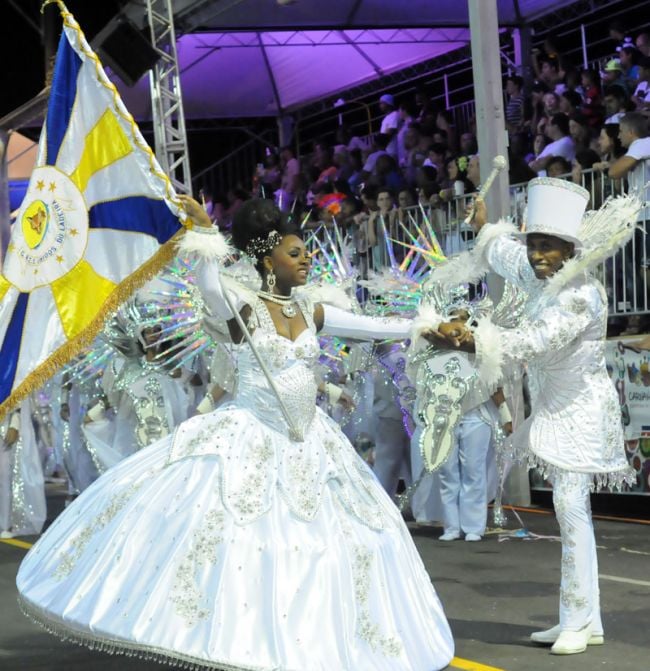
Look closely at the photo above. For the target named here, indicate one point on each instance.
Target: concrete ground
(495, 594)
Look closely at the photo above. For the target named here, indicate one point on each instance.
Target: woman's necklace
(287, 303)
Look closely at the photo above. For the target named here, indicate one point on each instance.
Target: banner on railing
(630, 373)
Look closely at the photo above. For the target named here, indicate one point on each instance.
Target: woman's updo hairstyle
(252, 224)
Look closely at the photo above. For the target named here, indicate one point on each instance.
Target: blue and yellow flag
(97, 221)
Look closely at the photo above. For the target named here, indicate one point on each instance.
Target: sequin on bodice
(291, 364)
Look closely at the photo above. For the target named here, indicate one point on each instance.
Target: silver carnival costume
(22, 486)
(574, 434)
(228, 545)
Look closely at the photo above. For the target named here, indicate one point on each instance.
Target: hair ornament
(260, 245)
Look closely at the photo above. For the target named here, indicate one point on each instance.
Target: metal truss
(168, 119)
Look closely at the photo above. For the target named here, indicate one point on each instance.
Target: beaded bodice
(290, 362)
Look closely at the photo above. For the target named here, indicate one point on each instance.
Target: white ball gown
(229, 546)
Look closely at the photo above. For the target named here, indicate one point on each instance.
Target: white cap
(388, 99)
(555, 207)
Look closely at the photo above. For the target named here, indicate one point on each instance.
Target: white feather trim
(427, 319)
(328, 294)
(210, 244)
(488, 234)
(472, 266)
(489, 352)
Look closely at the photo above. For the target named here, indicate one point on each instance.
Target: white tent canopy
(256, 58)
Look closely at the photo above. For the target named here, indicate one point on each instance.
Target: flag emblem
(54, 226)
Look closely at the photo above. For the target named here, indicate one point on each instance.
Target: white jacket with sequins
(575, 424)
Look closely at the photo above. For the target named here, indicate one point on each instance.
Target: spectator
(445, 125)
(629, 58)
(406, 115)
(539, 143)
(457, 183)
(328, 169)
(468, 144)
(417, 147)
(426, 112)
(573, 82)
(643, 44)
(561, 143)
(270, 175)
(609, 146)
(615, 104)
(612, 76)
(436, 156)
(235, 198)
(579, 131)
(570, 103)
(346, 140)
(634, 166)
(592, 106)
(387, 174)
(356, 167)
(406, 198)
(547, 70)
(474, 172)
(537, 104)
(641, 97)
(350, 207)
(381, 143)
(518, 170)
(635, 163)
(620, 35)
(585, 160)
(427, 184)
(558, 167)
(290, 181)
(344, 168)
(440, 137)
(551, 102)
(515, 106)
(390, 123)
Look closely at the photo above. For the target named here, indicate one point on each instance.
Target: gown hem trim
(112, 646)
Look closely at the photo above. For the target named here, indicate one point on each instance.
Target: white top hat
(555, 207)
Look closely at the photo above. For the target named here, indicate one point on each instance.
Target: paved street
(495, 594)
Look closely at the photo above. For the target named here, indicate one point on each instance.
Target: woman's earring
(270, 280)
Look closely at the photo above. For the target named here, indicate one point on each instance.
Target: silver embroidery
(186, 595)
(367, 630)
(78, 544)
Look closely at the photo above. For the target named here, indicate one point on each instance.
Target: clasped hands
(451, 335)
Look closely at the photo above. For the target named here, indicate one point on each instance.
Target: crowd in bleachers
(588, 125)
(566, 120)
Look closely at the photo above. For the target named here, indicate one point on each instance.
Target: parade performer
(254, 537)
(458, 491)
(574, 434)
(22, 486)
(148, 398)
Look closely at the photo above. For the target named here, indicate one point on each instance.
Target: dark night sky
(21, 48)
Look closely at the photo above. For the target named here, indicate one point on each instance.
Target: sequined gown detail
(229, 546)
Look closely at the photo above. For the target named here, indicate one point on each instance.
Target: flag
(99, 218)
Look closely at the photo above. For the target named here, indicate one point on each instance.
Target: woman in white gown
(230, 544)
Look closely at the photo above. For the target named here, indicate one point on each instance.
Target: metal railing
(625, 275)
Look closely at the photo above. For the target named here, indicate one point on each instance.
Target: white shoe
(572, 642)
(449, 536)
(473, 537)
(6, 534)
(549, 636)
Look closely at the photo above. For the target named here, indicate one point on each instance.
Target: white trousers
(392, 452)
(463, 477)
(579, 591)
